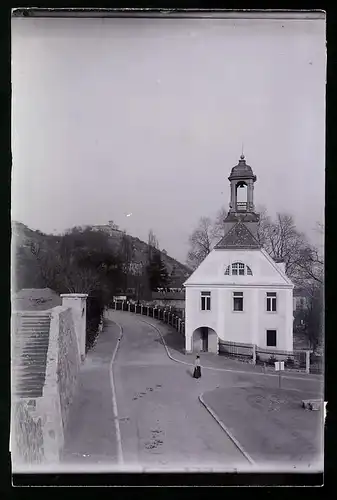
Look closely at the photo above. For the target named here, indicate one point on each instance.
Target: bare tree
(313, 315)
(153, 245)
(152, 240)
(281, 239)
(200, 241)
(81, 280)
(204, 238)
(219, 224)
(48, 264)
(126, 254)
(310, 265)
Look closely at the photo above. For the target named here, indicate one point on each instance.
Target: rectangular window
(237, 301)
(234, 269)
(241, 269)
(271, 338)
(205, 301)
(271, 301)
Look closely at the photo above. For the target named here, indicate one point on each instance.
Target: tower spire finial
(242, 153)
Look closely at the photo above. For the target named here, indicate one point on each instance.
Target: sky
(148, 116)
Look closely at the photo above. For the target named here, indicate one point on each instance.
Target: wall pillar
(249, 194)
(213, 341)
(233, 197)
(255, 317)
(289, 324)
(307, 361)
(254, 354)
(188, 342)
(78, 303)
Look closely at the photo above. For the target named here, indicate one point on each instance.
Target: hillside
(25, 264)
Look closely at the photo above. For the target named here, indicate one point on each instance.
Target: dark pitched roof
(35, 299)
(168, 296)
(176, 283)
(238, 237)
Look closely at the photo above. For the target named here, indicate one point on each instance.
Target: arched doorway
(205, 339)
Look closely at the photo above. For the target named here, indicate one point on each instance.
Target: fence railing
(166, 315)
(301, 360)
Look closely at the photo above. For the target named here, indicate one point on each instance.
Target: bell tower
(241, 206)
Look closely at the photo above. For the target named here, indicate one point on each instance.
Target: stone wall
(38, 425)
(68, 363)
(27, 433)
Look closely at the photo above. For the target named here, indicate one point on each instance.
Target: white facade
(251, 324)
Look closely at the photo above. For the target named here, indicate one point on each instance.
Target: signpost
(279, 367)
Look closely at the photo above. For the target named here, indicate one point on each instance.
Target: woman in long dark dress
(197, 369)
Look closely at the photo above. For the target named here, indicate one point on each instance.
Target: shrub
(95, 308)
(272, 360)
(289, 362)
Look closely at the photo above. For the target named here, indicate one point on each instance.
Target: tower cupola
(242, 178)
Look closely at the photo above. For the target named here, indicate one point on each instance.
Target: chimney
(78, 304)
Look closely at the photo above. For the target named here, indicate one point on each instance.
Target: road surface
(137, 409)
(162, 422)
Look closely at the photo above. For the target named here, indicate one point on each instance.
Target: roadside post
(307, 361)
(254, 354)
(279, 367)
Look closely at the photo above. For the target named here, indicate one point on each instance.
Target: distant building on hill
(109, 228)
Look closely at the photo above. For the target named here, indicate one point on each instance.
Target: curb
(223, 369)
(224, 428)
(165, 345)
(114, 399)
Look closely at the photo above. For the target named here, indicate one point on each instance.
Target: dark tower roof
(242, 171)
(238, 237)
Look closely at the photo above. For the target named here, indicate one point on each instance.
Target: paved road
(162, 422)
(90, 440)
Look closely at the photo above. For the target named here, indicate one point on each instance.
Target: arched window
(238, 269)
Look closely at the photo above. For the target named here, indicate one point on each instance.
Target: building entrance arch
(205, 339)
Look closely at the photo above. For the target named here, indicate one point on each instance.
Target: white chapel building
(239, 293)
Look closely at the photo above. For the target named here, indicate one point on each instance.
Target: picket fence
(300, 360)
(166, 315)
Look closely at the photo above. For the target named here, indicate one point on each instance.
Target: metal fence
(166, 315)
